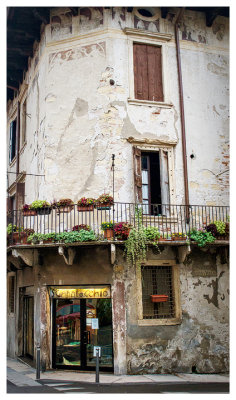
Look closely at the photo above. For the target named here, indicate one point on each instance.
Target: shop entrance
(79, 326)
(28, 326)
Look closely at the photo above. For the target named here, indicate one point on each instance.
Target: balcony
(173, 222)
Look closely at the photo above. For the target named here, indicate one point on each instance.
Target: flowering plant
(38, 204)
(178, 235)
(13, 228)
(83, 202)
(26, 207)
(107, 225)
(28, 231)
(105, 199)
(62, 203)
(80, 227)
(122, 230)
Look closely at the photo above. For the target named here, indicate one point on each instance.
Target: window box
(158, 298)
(29, 213)
(44, 211)
(85, 208)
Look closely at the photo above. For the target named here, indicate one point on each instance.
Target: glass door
(79, 325)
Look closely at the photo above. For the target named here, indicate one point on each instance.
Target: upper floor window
(12, 144)
(151, 172)
(23, 123)
(148, 72)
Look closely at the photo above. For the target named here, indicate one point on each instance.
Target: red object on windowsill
(159, 298)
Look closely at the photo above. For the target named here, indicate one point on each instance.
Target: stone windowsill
(138, 102)
(155, 322)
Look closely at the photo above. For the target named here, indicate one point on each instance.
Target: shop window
(12, 144)
(12, 294)
(152, 181)
(158, 292)
(148, 72)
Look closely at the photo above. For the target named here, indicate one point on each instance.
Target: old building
(149, 86)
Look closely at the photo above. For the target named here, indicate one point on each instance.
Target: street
(58, 386)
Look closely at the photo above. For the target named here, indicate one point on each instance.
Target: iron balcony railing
(167, 218)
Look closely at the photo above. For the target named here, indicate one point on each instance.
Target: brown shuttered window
(148, 72)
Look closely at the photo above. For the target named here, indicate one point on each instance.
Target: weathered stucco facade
(81, 109)
(77, 118)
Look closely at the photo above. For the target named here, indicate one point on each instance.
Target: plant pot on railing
(29, 213)
(44, 211)
(159, 298)
(85, 204)
(63, 205)
(104, 202)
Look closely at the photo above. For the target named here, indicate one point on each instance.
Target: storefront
(81, 323)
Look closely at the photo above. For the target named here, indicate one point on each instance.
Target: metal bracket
(68, 254)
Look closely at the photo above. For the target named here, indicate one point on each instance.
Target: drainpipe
(181, 98)
(17, 148)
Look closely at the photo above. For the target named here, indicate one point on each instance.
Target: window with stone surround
(12, 142)
(147, 72)
(158, 285)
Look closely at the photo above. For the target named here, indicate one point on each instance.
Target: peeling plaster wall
(78, 119)
(201, 340)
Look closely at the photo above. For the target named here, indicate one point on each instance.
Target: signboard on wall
(81, 292)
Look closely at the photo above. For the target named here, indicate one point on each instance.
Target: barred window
(12, 294)
(157, 292)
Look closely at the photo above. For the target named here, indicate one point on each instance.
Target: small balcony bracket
(113, 253)
(68, 254)
(28, 256)
(183, 251)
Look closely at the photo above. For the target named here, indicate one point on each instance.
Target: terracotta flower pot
(64, 209)
(159, 298)
(29, 213)
(108, 234)
(85, 208)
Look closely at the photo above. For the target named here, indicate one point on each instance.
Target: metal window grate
(12, 294)
(157, 281)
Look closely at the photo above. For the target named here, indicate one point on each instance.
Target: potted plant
(80, 227)
(25, 234)
(164, 237)
(104, 202)
(178, 236)
(201, 237)
(159, 298)
(14, 233)
(42, 207)
(122, 230)
(85, 204)
(108, 228)
(27, 212)
(63, 205)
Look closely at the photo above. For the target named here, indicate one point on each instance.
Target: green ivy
(201, 237)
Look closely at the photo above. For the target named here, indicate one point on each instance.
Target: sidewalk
(21, 374)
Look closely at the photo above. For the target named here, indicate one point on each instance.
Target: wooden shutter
(148, 72)
(137, 174)
(140, 71)
(164, 177)
(20, 195)
(155, 89)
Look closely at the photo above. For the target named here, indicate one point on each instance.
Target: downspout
(181, 98)
(17, 149)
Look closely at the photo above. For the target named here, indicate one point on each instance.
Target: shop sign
(81, 292)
